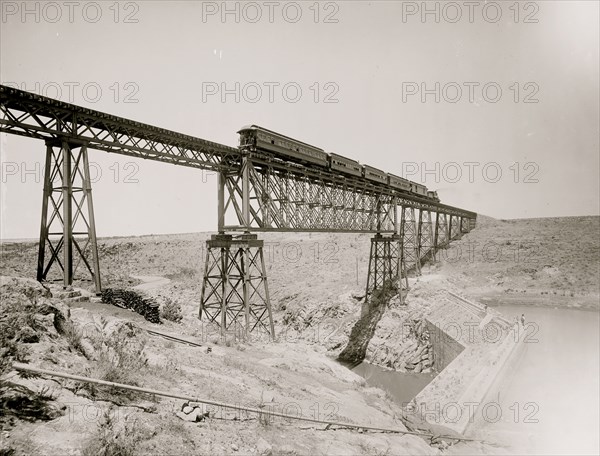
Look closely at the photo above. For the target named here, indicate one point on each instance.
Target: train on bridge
(284, 147)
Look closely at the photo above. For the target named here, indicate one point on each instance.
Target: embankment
(455, 398)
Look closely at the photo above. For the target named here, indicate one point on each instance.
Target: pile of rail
(130, 299)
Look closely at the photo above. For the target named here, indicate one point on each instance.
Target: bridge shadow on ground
(363, 330)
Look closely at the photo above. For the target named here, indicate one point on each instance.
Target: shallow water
(400, 385)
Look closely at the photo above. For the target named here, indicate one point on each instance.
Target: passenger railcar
(398, 183)
(281, 145)
(345, 165)
(284, 147)
(419, 189)
(374, 174)
(433, 195)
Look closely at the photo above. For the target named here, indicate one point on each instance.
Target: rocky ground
(315, 283)
(107, 342)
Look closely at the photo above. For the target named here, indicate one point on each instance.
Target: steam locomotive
(291, 149)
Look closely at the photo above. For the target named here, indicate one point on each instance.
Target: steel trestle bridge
(260, 192)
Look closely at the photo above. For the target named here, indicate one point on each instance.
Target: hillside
(548, 262)
(545, 257)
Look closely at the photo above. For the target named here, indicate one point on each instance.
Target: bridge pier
(454, 228)
(425, 245)
(385, 264)
(235, 292)
(68, 226)
(419, 239)
(410, 240)
(464, 225)
(441, 237)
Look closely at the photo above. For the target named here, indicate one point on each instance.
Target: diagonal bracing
(235, 293)
(67, 233)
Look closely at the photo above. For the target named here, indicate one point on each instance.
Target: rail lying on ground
(34, 370)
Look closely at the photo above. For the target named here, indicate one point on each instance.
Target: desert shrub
(19, 401)
(120, 359)
(110, 440)
(73, 336)
(183, 274)
(264, 418)
(17, 320)
(171, 310)
(21, 302)
(126, 347)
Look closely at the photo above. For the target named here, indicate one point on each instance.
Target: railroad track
(172, 338)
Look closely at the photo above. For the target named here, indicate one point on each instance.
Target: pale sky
(371, 61)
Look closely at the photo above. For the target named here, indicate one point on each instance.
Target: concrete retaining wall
(445, 348)
(490, 379)
(459, 412)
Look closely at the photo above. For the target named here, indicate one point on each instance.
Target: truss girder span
(27, 114)
(285, 200)
(464, 225)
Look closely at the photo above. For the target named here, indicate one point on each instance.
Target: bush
(18, 327)
(110, 441)
(74, 337)
(171, 310)
(21, 402)
(121, 359)
(17, 320)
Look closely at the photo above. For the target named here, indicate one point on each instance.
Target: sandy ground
(150, 282)
(313, 279)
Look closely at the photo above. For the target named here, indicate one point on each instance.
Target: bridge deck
(36, 116)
